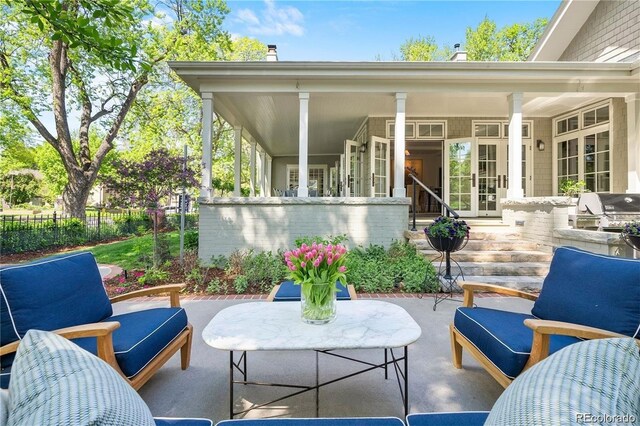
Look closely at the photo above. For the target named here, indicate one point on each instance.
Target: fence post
(98, 224)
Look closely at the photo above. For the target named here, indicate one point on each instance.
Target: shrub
(240, 284)
(368, 270)
(264, 269)
(416, 274)
(191, 240)
(152, 276)
(330, 239)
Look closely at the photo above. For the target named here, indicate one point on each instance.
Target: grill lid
(609, 204)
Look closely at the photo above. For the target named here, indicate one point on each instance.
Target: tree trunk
(76, 194)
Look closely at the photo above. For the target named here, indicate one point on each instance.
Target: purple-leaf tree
(149, 184)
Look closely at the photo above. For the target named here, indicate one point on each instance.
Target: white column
(303, 148)
(399, 147)
(263, 173)
(268, 175)
(633, 143)
(515, 146)
(252, 170)
(206, 190)
(237, 161)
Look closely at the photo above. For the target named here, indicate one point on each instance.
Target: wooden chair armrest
(544, 329)
(101, 330)
(352, 291)
(471, 287)
(272, 293)
(172, 289)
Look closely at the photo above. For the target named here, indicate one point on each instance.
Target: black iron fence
(21, 233)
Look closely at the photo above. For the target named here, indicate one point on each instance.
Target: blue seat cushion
(462, 418)
(502, 337)
(335, 421)
(161, 421)
(51, 293)
(289, 291)
(593, 290)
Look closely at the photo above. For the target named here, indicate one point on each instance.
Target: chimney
(272, 53)
(459, 55)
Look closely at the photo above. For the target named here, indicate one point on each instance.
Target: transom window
(419, 130)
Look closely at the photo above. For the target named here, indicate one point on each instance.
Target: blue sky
(362, 30)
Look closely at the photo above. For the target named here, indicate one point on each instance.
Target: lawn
(126, 254)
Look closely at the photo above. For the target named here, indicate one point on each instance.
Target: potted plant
(631, 234)
(447, 234)
(317, 268)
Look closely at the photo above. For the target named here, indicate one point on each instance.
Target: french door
(380, 168)
(352, 172)
(461, 170)
(492, 176)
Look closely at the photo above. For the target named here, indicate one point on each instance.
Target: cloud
(273, 20)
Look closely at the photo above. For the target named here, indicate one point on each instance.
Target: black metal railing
(448, 211)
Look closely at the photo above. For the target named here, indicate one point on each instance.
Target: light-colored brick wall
(619, 164)
(536, 219)
(612, 24)
(229, 224)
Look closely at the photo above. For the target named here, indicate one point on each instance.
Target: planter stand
(448, 280)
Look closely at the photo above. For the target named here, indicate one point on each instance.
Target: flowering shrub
(631, 228)
(317, 263)
(447, 227)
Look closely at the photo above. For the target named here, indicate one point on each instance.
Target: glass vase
(318, 302)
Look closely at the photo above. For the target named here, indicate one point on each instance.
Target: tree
(93, 57)
(18, 187)
(511, 43)
(422, 49)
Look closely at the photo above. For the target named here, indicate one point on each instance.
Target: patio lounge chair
(584, 296)
(65, 294)
(56, 382)
(287, 291)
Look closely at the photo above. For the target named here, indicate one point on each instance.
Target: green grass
(126, 253)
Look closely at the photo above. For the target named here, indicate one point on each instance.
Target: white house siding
(619, 178)
(611, 24)
(229, 224)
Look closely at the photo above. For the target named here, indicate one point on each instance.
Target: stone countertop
(243, 201)
(360, 324)
(538, 201)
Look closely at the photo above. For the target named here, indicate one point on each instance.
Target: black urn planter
(632, 240)
(444, 244)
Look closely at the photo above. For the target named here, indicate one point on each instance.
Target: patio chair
(584, 296)
(577, 385)
(65, 294)
(287, 291)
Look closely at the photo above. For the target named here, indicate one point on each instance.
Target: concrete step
(534, 269)
(520, 282)
(495, 256)
(488, 245)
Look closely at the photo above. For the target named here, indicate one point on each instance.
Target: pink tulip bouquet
(317, 269)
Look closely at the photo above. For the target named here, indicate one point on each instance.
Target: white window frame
(411, 130)
(581, 133)
(325, 172)
(475, 123)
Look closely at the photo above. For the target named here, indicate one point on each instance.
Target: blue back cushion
(289, 291)
(593, 290)
(51, 293)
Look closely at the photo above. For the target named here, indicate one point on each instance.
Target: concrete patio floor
(434, 385)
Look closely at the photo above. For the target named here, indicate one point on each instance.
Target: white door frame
(472, 211)
(372, 157)
(351, 177)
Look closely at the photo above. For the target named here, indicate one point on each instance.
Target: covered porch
(475, 133)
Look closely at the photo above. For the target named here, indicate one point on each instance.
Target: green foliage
(329, 239)
(152, 276)
(129, 254)
(191, 240)
(161, 249)
(240, 284)
(375, 270)
(572, 188)
(215, 286)
(18, 188)
(423, 48)
(263, 269)
(510, 43)
(447, 227)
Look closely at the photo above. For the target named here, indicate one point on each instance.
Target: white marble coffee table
(360, 324)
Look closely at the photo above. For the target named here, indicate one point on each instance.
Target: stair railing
(448, 212)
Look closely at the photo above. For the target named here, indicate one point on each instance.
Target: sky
(368, 30)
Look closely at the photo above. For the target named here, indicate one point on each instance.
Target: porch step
(495, 256)
(525, 283)
(531, 269)
(486, 245)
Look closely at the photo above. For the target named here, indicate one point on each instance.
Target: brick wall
(612, 24)
(535, 219)
(228, 224)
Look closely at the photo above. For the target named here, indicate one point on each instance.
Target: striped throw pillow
(55, 382)
(592, 382)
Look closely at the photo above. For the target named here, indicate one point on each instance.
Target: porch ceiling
(262, 97)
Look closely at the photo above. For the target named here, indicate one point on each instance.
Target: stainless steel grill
(606, 212)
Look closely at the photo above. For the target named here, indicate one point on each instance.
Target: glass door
(380, 166)
(460, 171)
(490, 184)
(351, 169)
